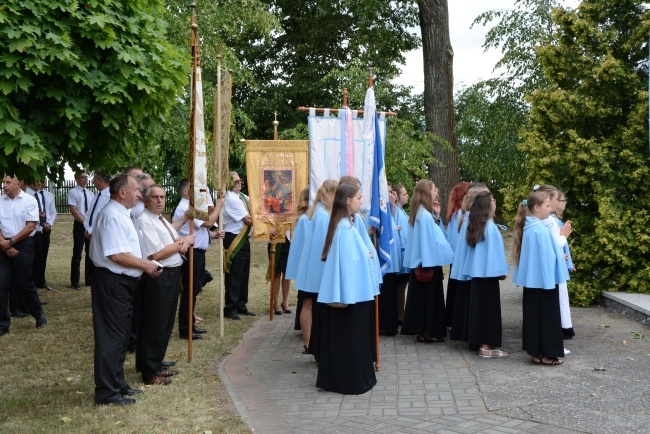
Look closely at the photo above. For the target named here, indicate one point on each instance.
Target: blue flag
(379, 214)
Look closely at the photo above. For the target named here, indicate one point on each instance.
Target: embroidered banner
(276, 171)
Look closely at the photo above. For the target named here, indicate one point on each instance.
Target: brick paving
(444, 387)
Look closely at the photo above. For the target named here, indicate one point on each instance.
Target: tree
(489, 115)
(82, 83)
(438, 94)
(588, 134)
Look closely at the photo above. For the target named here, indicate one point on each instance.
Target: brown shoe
(167, 373)
(158, 380)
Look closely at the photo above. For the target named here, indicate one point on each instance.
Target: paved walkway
(603, 386)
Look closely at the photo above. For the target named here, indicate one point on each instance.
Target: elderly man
(237, 223)
(115, 250)
(203, 236)
(18, 220)
(160, 242)
(79, 199)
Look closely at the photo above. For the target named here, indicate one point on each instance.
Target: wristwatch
(12, 242)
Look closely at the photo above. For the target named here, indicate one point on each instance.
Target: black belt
(200, 250)
(118, 274)
(172, 268)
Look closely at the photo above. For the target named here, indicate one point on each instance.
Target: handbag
(424, 274)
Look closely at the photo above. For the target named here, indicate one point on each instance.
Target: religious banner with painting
(276, 170)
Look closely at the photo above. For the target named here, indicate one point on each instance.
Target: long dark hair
(535, 198)
(479, 214)
(339, 212)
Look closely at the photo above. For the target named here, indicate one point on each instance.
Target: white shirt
(115, 233)
(16, 212)
(137, 209)
(234, 212)
(76, 198)
(48, 206)
(201, 234)
(155, 236)
(99, 201)
(552, 225)
(32, 193)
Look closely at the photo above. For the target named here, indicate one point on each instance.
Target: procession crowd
(337, 272)
(136, 263)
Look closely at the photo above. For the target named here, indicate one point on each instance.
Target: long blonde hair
(324, 195)
(535, 198)
(421, 196)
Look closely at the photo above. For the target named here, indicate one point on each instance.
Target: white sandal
(492, 354)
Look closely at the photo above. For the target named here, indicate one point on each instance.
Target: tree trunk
(439, 94)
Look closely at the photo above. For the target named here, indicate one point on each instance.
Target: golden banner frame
(277, 171)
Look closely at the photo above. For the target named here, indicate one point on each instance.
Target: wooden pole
(220, 188)
(335, 110)
(272, 271)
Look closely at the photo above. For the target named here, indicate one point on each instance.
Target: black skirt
(450, 302)
(542, 324)
(281, 258)
(460, 320)
(485, 312)
(388, 304)
(424, 313)
(346, 354)
(317, 319)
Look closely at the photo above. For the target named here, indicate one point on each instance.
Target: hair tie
(536, 187)
(524, 203)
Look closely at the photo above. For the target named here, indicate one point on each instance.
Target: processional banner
(338, 147)
(277, 170)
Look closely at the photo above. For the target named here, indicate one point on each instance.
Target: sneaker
(566, 352)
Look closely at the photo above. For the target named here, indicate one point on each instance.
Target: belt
(200, 250)
(172, 268)
(118, 274)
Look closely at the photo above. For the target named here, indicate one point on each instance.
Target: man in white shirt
(18, 220)
(237, 223)
(202, 242)
(79, 199)
(117, 255)
(160, 242)
(100, 180)
(47, 219)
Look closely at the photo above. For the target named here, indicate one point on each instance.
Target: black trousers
(184, 305)
(111, 296)
(137, 315)
(236, 282)
(159, 302)
(17, 272)
(39, 279)
(38, 259)
(79, 243)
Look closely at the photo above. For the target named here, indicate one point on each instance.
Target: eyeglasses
(237, 181)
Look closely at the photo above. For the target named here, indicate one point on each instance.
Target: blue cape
(396, 255)
(426, 243)
(452, 229)
(297, 246)
(311, 267)
(402, 220)
(363, 232)
(348, 272)
(541, 263)
(488, 257)
(460, 252)
(565, 249)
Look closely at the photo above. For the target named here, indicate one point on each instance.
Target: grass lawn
(46, 375)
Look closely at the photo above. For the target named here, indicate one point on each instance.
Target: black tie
(92, 213)
(41, 220)
(85, 201)
(44, 211)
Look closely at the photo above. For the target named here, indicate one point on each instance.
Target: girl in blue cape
(402, 222)
(310, 268)
(347, 289)
(426, 246)
(486, 264)
(539, 268)
(298, 240)
(454, 211)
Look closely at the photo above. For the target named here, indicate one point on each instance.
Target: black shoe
(116, 401)
(43, 303)
(19, 314)
(4, 332)
(75, 286)
(127, 391)
(199, 331)
(167, 364)
(46, 286)
(246, 312)
(233, 316)
(207, 278)
(41, 321)
(195, 337)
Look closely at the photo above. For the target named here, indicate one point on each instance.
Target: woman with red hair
(454, 211)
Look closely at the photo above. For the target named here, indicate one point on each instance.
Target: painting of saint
(277, 191)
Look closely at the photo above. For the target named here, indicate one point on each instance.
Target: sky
(471, 63)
